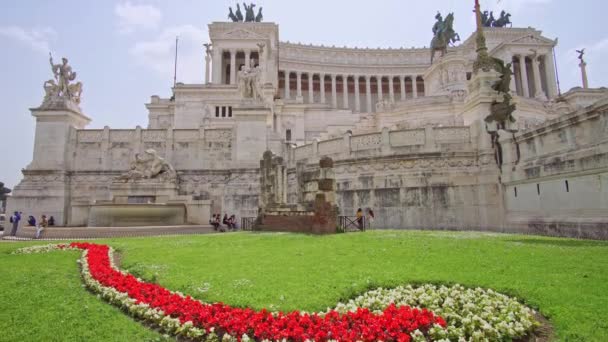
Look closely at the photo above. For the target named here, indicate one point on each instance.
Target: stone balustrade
(386, 142)
(554, 146)
(113, 149)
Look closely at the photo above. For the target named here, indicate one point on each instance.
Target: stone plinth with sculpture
(61, 92)
(316, 211)
(145, 195)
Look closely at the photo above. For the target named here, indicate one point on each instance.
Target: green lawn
(566, 279)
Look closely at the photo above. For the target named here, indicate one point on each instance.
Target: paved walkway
(71, 233)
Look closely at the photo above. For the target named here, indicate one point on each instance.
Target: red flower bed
(393, 324)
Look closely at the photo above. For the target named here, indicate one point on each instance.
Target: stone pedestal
(477, 107)
(251, 131)
(44, 189)
(446, 76)
(54, 124)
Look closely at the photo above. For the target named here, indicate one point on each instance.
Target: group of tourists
(223, 224)
(31, 221)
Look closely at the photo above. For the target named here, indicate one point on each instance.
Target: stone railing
(386, 142)
(570, 143)
(113, 149)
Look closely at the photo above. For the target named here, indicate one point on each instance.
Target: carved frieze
(89, 135)
(452, 134)
(364, 142)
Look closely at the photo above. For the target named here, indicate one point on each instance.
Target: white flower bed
(42, 249)
(471, 314)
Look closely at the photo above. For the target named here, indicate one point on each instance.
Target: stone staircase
(71, 233)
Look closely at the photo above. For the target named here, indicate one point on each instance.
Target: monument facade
(416, 134)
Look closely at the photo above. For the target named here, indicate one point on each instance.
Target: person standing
(370, 217)
(15, 221)
(360, 218)
(44, 223)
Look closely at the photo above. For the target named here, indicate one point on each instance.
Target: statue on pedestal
(583, 66)
(249, 81)
(444, 34)
(60, 88)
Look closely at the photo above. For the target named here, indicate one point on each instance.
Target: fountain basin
(137, 215)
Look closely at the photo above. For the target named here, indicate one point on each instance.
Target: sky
(123, 50)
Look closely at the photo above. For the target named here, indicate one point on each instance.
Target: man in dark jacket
(15, 221)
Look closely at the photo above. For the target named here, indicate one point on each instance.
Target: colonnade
(534, 76)
(218, 60)
(409, 86)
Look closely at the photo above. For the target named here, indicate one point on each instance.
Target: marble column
(216, 66)
(334, 97)
(368, 92)
(415, 86)
(232, 66)
(538, 86)
(550, 75)
(379, 80)
(402, 83)
(357, 95)
(207, 68)
(299, 84)
(247, 58)
(311, 94)
(322, 87)
(287, 84)
(524, 76)
(345, 91)
(391, 89)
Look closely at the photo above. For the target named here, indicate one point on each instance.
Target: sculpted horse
(444, 36)
(504, 20)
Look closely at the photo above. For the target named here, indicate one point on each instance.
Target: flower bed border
(232, 324)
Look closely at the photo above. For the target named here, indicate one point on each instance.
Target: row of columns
(537, 85)
(356, 78)
(216, 57)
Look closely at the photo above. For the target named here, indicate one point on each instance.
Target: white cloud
(37, 39)
(158, 54)
(133, 17)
